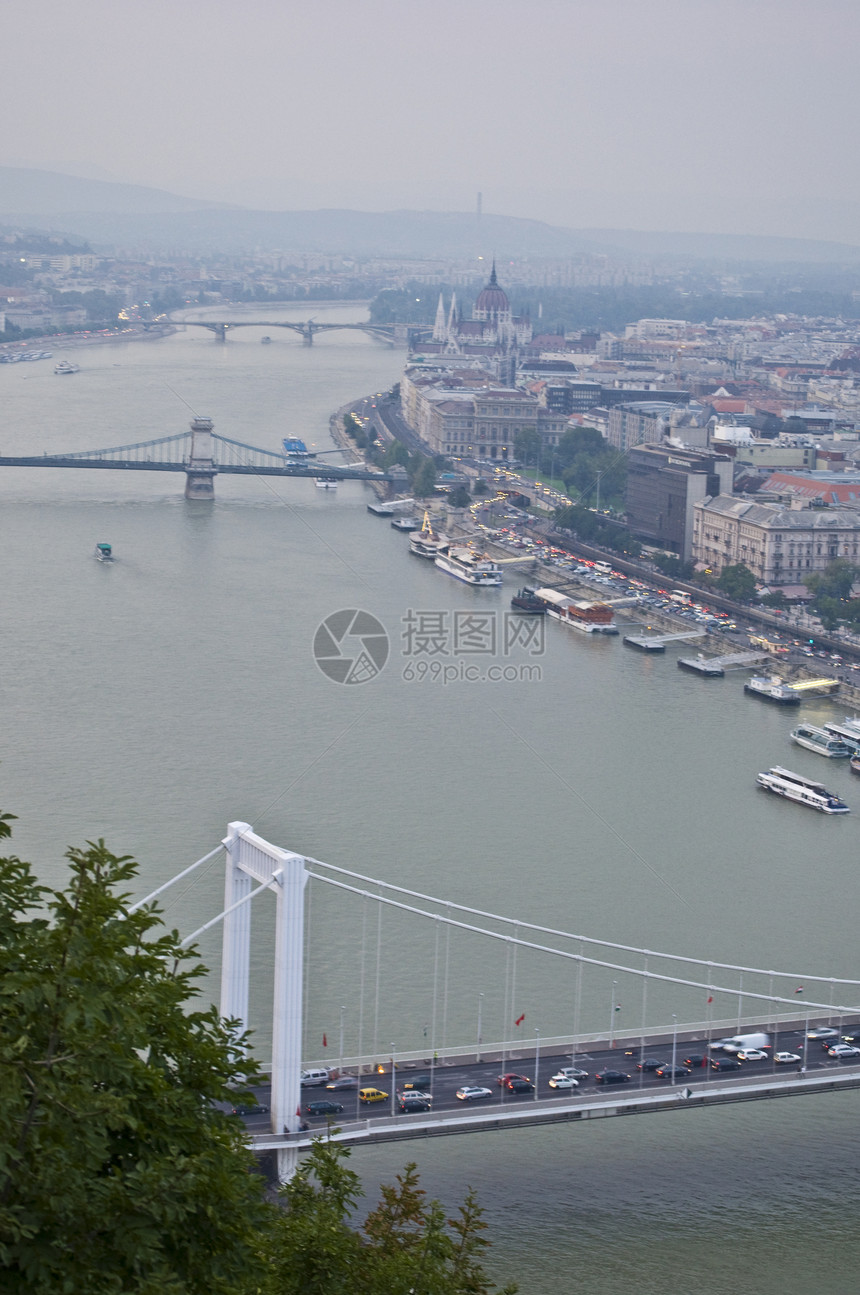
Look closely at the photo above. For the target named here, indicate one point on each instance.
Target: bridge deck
(686, 1095)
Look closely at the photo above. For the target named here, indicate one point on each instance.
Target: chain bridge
(202, 455)
(668, 1056)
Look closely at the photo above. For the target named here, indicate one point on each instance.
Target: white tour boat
(820, 741)
(66, 366)
(465, 564)
(805, 791)
(325, 483)
(428, 543)
(848, 731)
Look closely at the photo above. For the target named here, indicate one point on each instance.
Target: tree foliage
(406, 1246)
(673, 566)
(737, 581)
(588, 525)
(118, 1175)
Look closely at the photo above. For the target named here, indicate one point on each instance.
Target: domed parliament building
(492, 328)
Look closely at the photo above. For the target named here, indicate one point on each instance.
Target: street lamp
(537, 1059)
(674, 1043)
(393, 1078)
(342, 1010)
(612, 1015)
(480, 1015)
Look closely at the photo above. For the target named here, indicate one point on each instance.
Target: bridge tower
(251, 859)
(200, 469)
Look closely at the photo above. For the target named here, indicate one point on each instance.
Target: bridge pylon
(200, 469)
(251, 859)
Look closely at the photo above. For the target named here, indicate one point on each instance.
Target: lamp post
(612, 1015)
(480, 1016)
(393, 1074)
(674, 1043)
(342, 1010)
(537, 1060)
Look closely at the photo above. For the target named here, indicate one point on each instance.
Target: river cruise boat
(855, 763)
(848, 731)
(428, 543)
(470, 566)
(325, 483)
(587, 617)
(526, 601)
(820, 741)
(772, 688)
(66, 366)
(805, 791)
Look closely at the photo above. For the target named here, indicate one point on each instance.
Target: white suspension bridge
(733, 997)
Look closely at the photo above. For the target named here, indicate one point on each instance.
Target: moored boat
(848, 731)
(405, 524)
(587, 617)
(470, 566)
(427, 543)
(820, 741)
(325, 483)
(804, 791)
(526, 601)
(772, 688)
(701, 665)
(855, 763)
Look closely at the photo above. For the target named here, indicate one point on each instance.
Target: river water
(153, 700)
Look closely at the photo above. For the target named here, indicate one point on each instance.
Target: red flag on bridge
(711, 998)
(799, 989)
(325, 1042)
(520, 1019)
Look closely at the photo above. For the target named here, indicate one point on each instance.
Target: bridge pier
(308, 333)
(200, 469)
(220, 331)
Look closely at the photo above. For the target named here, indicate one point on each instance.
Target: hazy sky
(723, 115)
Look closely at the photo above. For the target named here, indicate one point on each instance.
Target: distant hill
(48, 193)
(132, 217)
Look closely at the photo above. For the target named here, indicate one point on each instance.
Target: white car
(843, 1051)
(786, 1058)
(751, 1054)
(823, 1032)
(473, 1094)
(563, 1081)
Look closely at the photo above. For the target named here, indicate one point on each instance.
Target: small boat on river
(820, 741)
(104, 553)
(805, 791)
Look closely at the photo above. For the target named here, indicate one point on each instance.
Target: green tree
(405, 1247)
(423, 477)
(673, 566)
(527, 445)
(459, 497)
(480, 487)
(118, 1174)
(737, 581)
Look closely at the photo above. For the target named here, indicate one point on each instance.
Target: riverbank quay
(67, 341)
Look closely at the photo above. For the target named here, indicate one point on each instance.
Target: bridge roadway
(313, 469)
(360, 1123)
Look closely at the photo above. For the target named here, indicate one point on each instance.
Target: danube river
(152, 700)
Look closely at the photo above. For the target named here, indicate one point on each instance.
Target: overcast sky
(716, 115)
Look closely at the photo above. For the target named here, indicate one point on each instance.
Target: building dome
(492, 301)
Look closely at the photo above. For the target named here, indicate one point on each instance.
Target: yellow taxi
(372, 1094)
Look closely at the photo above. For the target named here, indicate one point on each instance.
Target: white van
(314, 1078)
(740, 1042)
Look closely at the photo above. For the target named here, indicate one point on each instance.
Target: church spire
(494, 283)
(439, 330)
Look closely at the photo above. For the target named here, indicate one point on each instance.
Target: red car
(504, 1080)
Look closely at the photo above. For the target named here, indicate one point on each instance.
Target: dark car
(650, 1063)
(725, 1063)
(504, 1080)
(418, 1082)
(410, 1102)
(251, 1108)
(666, 1072)
(519, 1085)
(696, 1060)
(323, 1108)
(343, 1081)
(611, 1077)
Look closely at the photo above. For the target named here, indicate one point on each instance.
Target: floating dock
(657, 642)
(714, 667)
